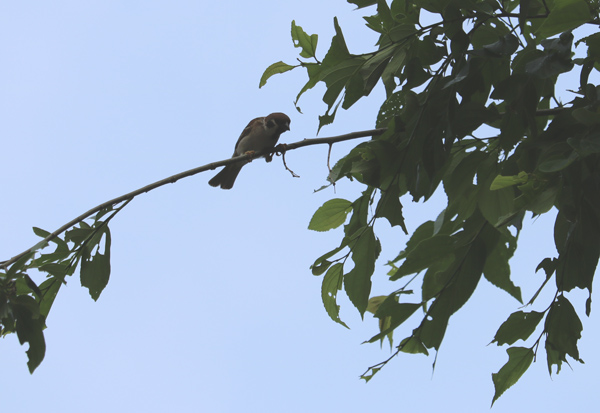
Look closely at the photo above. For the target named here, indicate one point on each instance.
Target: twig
(280, 150)
(329, 157)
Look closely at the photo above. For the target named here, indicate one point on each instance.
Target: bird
(260, 134)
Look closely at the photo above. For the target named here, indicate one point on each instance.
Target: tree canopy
(472, 108)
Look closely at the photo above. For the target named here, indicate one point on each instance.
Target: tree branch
(282, 148)
(172, 179)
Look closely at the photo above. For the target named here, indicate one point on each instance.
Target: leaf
(548, 265)
(390, 208)
(460, 283)
(357, 282)
(275, 68)
(549, 65)
(79, 234)
(332, 283)
(29, 326)
(505, 46)
(397, 312)
(50, 289)
(500, 181)
(358, 220)
(362, 3)
(330, 215)
(95, 271)
(392, 70)
(439, 249)
(375, 302)
(304, 41)
(412, 345)
(519, 326)
(588, 118)
(578, 243)
(496, 205)
(314, 71)
(368, 76)
(497, 267)
(586, 145)
(519, 360)
(566, 15)
(19, 265)
(564, 330)
(321, 264)
(32, 285)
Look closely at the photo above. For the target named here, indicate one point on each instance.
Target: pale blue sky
(211, 305)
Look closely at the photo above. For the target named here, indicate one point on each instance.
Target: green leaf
(61, 246)
(358, 220)
(459, 282)
(275, 68)
(392, 70)
(304, 41)
(40, 232)
(413, 345)
(314, 71)
(565, 15)
(577, 240)
(505, 46)
(95, 271)
(19, 265)
(332, 283)
(500, 181)
(586, 145)
(397, 312)
(497, 204)
(588, 118)
(375, 302)
(357, 282)
(519, 326)
(439, 249)
(390, 208)
(519, 360)
(363, 80)
(321, 263)
(49, 290)
(79, 234)
(497, 267)
(32, 285)
(564, 330)
(29, 326)
(331, 215)
(362, 3)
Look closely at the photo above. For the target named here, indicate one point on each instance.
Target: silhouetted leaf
(519, 326)
(519, 360)
(332, 283)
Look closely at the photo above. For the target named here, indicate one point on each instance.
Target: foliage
(470, 107)
(24, 305)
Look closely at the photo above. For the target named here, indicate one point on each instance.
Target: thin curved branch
(172, 179)
(213, 165)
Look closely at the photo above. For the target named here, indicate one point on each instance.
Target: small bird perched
(260, 134)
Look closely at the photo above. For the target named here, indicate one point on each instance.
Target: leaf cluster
(470, 109)
(25, 305)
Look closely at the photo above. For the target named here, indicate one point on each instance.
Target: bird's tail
(226, 178)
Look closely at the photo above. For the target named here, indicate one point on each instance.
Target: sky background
(211, 305)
